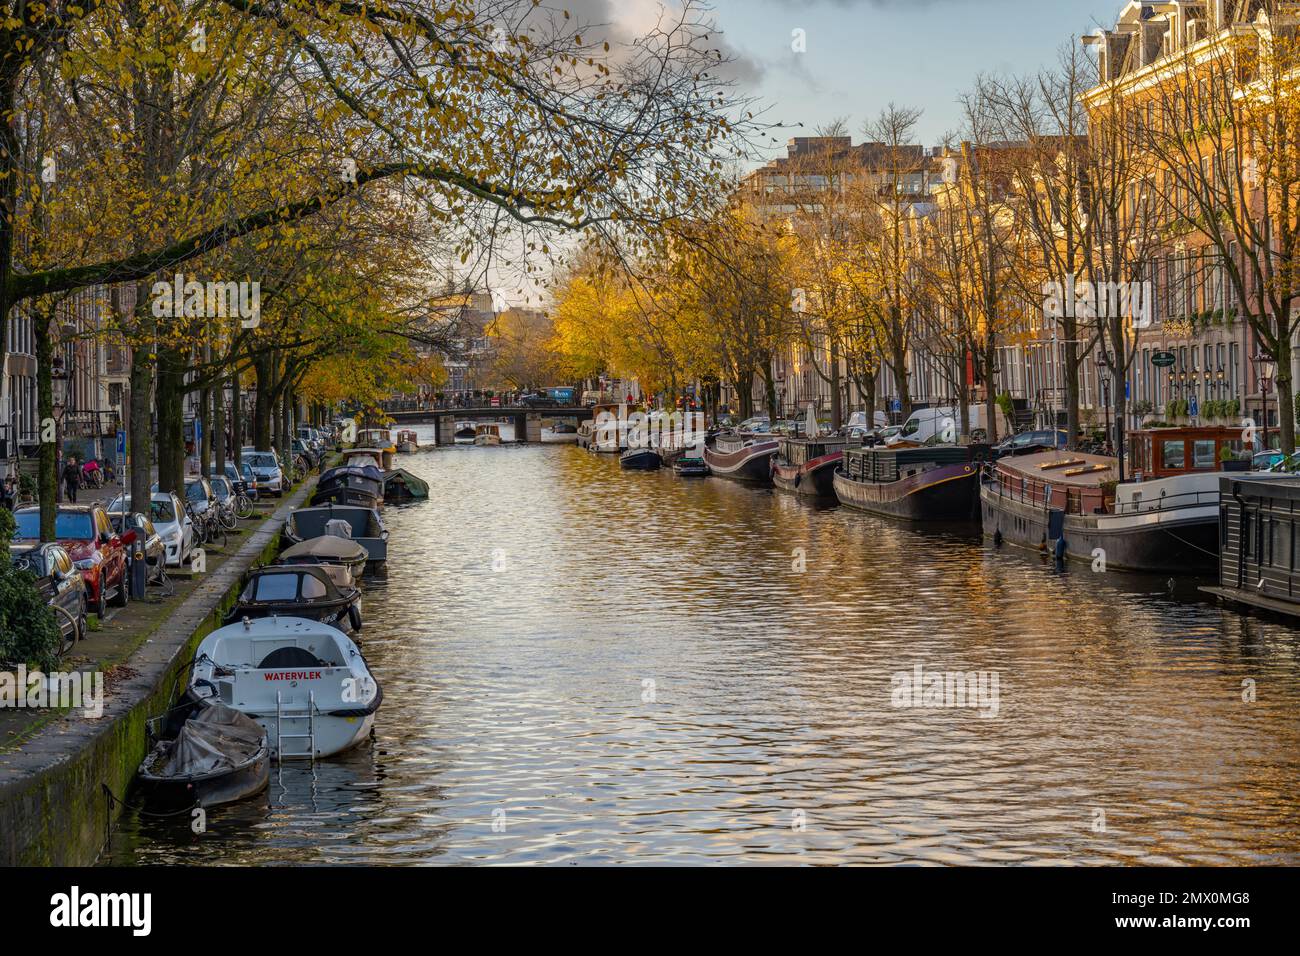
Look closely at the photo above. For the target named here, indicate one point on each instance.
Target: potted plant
(1230, 462)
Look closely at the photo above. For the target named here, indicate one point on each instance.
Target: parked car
(1268, 461)
(242, 479)
(58, 581)
(97, 551)
(142, 539)
(266, 469)
(168, 516)
(301, 447)
(537, 400)
(758, 425)
(1028, 443)
(200, 496)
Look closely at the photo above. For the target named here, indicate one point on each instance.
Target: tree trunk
(171, 421)
(990, 396)
(868, 388)
(1285, 391)
(964, 391)
(769, 389)
(898, 364)
(10, 166)
(219, 451)
(744, 387)
(837, 404)
(141, 429)
(47, 483)
(205, 444)
(237, 426)
(262, 403)
(1071, 329)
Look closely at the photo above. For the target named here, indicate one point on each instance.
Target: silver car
(172, 523)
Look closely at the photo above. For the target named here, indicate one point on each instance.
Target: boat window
(277, 587)
(1203, 454)
(1173, 454)
(312, 588)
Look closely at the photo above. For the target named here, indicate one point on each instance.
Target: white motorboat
(487, 434)
(464, 433)
(304, 681)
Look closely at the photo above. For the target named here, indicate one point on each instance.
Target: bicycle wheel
(163, 581)
(244, 508)
(66, 641)
(228, 520)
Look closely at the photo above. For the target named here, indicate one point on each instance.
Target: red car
(98, 551)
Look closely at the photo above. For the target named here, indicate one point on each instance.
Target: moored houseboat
(742, 457)
(1164, 520)
(806, 466)
(933, 483)
(1258, 547)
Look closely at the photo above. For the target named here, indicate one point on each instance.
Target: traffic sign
(121, 443)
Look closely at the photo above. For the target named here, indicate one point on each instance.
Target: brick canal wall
(53, 807)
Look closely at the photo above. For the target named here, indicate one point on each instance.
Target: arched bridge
(527, 420)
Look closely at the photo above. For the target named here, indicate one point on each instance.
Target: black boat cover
(343, 471)
(218, 739)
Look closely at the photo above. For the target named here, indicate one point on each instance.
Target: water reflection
(587, 665)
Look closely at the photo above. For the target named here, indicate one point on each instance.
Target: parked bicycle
(92, 476)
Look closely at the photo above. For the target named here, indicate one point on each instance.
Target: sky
(862, 54)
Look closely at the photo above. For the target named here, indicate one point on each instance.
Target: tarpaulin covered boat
(328, 549)
(219, 755)
(401, 485)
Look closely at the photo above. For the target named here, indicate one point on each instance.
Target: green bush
(29, 633)
(1008, 406)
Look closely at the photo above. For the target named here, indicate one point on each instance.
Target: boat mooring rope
(1213, 554)
(142, 811)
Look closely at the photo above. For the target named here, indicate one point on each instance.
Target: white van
(859, 420)
(940, 424)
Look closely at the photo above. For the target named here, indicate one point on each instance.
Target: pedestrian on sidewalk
(71, 478)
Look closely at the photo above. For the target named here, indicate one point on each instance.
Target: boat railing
(1165, 502)
(1091, 501)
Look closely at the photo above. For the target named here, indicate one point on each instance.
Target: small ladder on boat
(309, 715)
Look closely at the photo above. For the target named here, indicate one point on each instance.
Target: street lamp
(1265, 369)
(1103, 366)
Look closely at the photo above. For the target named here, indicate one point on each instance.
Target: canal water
(588, 666)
